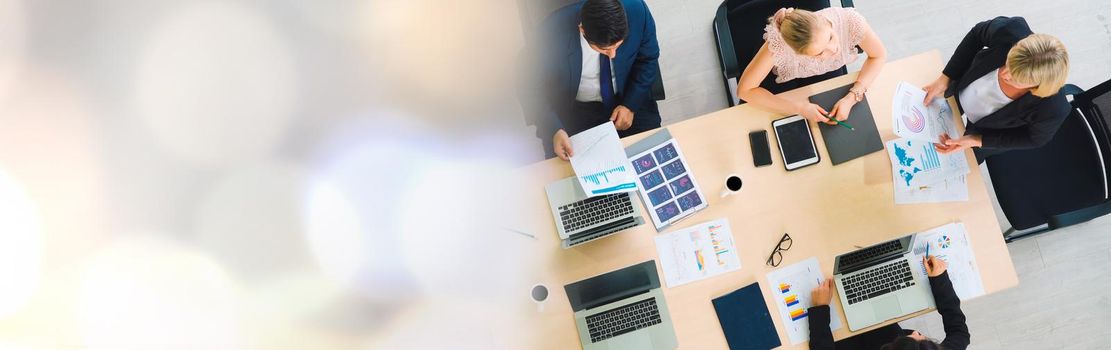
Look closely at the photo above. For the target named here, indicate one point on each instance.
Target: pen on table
(844, 124)
(523, 233)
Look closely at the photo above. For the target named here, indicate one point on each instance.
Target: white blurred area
(258, 174)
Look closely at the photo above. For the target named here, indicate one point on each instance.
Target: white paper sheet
(950, 243)
(917, 163)
(600, 163)
(951, 190)
(791, 286)
(697, 252)
(913, 120)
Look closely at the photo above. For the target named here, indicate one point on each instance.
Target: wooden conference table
(826, 209)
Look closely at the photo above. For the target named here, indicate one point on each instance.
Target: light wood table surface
(826, 209)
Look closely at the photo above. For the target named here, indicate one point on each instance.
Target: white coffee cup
(733, 184)
(539, 294)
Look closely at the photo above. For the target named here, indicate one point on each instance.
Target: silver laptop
(881, 282)
(623, 309)
(580, 219)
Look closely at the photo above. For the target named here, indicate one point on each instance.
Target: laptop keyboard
(594, 210)
(865, 254)
(877, 281)
(625, 319)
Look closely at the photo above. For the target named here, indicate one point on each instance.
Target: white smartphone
(796, 143)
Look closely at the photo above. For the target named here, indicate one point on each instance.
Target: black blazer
(551, 95)
(948, 305)
(1028, 122)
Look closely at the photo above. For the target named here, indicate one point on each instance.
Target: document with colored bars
(921, 174)
(697, 252)
(950, 243)
(600, 163)
(792, 285)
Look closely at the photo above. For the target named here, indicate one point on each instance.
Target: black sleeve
(1049, 116)
(820, 335)
(949, 306)
(999, 31)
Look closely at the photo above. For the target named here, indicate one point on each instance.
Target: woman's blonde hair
(796, 26)
(1042, 60)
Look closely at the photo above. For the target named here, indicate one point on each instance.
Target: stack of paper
(921, 174)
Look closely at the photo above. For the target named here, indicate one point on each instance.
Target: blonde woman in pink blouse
(799, 44)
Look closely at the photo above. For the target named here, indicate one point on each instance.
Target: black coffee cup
(733, 183)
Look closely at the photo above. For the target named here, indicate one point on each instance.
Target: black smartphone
(761, 154)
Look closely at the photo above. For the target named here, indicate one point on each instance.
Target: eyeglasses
(777, 254)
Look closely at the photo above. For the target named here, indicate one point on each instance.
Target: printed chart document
(913, 120)
(917, 163)
(951, 190)
(667, 186)
(792, 286)
(600, 163)
(697, 252)
(950, 243)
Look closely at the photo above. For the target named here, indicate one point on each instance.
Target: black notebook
(745, 319)
(843, 144)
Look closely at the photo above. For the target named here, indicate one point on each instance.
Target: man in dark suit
(597, 61)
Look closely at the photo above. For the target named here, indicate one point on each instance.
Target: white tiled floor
(1065, 285)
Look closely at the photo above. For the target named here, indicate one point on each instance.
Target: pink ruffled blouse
(850, 28)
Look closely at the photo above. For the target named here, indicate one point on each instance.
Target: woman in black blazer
(893, 337)
(1006, 79)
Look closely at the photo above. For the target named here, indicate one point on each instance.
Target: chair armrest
(727, 54)
(1079, 216)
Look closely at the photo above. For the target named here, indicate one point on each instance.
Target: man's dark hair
(604, 22)
(908, 343)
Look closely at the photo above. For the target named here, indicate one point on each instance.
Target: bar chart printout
(792, 285)
(918, 164)
(698, 252)
(600, 163)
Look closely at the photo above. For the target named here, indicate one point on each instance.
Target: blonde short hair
(1040, 60)
(796, 26)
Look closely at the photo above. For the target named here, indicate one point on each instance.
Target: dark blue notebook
(745, 320)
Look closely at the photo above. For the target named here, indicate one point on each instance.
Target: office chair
(739, 32)
(1064, 182)
(535, 11)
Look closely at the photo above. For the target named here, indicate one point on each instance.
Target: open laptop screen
(613, 286)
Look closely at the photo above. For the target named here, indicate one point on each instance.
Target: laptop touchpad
(887, 308)
(638, 340)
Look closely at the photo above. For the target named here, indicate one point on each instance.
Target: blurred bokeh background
(241, 174)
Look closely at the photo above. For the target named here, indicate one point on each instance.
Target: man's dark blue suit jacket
(560, 56)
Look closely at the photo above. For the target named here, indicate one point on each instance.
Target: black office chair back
(739, 32)
(1095, 106)
(1066, 181)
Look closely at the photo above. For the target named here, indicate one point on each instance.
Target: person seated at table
(893, 337)
(597, 62)
(1007, 81)
(800, 43)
